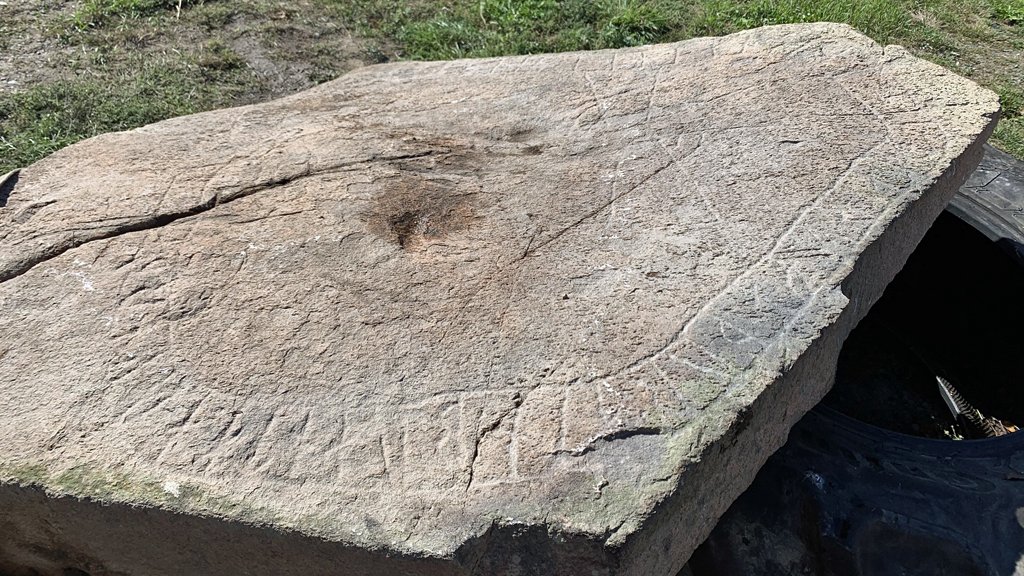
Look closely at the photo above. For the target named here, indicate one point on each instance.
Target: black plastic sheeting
(848, 498)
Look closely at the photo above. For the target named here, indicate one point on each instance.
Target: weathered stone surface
(540, 315)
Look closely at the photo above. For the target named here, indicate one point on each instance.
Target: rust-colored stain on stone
(414, 210)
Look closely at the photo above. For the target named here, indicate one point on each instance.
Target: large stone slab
(539, 315)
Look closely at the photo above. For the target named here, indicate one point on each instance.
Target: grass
(426, 31)
(98, 12)
(883, 20)
(500, 27)
(1009, 11)
(41, 120)
(145, 61)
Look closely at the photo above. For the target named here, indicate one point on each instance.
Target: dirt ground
(288, 45)
(28, 55)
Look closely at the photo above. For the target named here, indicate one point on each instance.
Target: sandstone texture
(534, 315)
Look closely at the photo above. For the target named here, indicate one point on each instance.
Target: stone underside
(545, 313)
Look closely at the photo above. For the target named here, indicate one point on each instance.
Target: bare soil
(289, 46)
(29, 52)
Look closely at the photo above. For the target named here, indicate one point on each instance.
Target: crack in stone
(597, 441)
(593, 213)
(160, 220)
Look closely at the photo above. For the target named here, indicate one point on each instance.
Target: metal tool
(975, 424)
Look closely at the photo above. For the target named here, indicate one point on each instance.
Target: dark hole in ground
(956, 310)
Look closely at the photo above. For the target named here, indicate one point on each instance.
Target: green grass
(500, 27)
(880, 19)
(433, 30)
(39, 121)
(1009, 11)
(98, 12)
(1010, 130)
(144, 64)
(430, 31)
